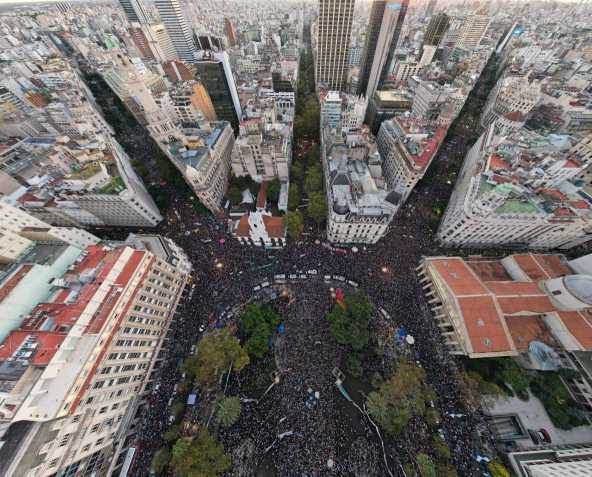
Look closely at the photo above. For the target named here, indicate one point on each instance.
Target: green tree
(317, 207)
(293, 197)
(216, 352)
(257, 325)
(199, 456)
(353, 365)
(399, 398)
(349, 324)
(160, 460)
(273, 190)
(440, 447)
(294, 224)
(234, 195)
(426, 466)
(296, 172)
(229, 410)
(314, 180)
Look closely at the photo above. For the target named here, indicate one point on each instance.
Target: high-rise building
(372, 32)
(472, 31)
(569, 460)
(135, 11)
(230, 31)
(82, 335)
(436, 29)
(402, 12)
(334, 30)
(213, 69)
(174, 20)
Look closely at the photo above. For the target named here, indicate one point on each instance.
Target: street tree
(426, 466)
(293, 197)
(317, 207)
(401, 397)
(199, 456)
(257, 324)
(294, 224)
(349, 323)
(229, 410)
(215, 354)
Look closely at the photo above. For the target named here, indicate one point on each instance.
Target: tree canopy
(229, 410)
(294, 224)
(199, 456)
(317, 207)
(349, 324)
(214, 355)
(404, 395)
(257, 323)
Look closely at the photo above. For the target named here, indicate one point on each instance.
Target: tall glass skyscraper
(174, 20)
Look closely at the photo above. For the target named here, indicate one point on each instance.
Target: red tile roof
(484, 324)
(243, 229)
(14, 280)
(578, 326)
(262, 195)
(525, 329)
(459, 277)
(47, 344)
(275, 226)
(497, 163)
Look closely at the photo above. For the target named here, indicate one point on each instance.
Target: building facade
(173, 18)
(77, 365)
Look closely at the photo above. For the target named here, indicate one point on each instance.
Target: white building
(77, 359)
(406, 149)
(331, 110)
(20, 231)
(516, 191)
(556, 461)
(511, 94)
(359, 206)
(472, 31)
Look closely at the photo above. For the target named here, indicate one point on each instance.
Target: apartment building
(79, 183)
(518, 190)
(203, 155)
(511, 95)
(407, 148)
(78, 354)
(472, 31)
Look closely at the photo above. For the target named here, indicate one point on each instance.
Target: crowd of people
(225, 273)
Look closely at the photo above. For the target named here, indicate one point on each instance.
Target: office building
(81, 336)
(135, 11)
(384, 18)
(436, 29)
(512, 306)
(472, 31)
(333, 37)
(214, 72)
(386, 104)
(430, 8)
(401, 8)
(331, 110)
(174, 20)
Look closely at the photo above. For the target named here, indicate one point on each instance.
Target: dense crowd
(385, 271)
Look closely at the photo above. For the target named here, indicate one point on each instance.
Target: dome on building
(340, 208)
(580, 286)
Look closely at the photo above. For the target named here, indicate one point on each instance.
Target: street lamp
(219, 265)
(384, 269)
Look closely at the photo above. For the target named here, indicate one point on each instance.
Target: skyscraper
(402, 9)
(230, 32)
(334, 30)
(176, 24)
(472, 31)
(135, 11)
(384, 18)
(213, 69)
(436, 29)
